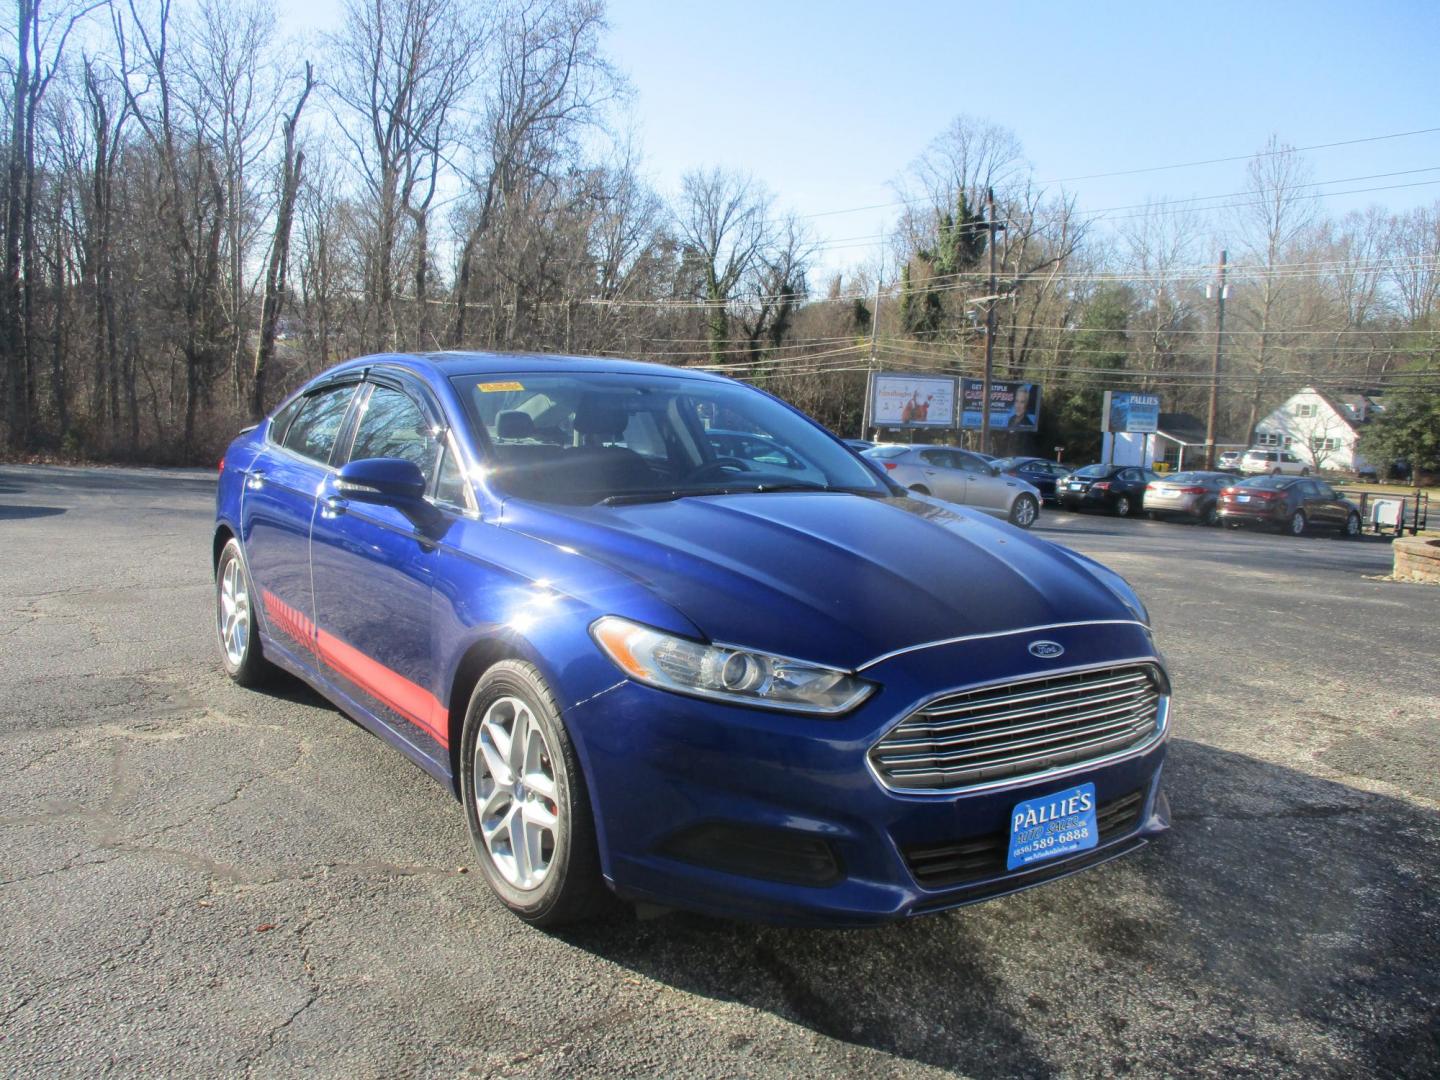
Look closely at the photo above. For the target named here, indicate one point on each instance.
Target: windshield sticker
(499, 387)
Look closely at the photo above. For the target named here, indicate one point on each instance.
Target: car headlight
(726, 673)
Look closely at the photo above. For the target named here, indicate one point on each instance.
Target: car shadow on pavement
(20, 513)
(1286, 918)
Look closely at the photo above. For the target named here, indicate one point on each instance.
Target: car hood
(833, 578)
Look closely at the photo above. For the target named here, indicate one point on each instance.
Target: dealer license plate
(1059, 824)
(1242, 498)
(1077, 487)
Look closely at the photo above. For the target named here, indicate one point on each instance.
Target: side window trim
(331, 463)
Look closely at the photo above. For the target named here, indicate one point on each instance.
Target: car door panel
(373, 569)
(277, 506)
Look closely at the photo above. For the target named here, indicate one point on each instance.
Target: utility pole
(870, 366)
(1210, 416)
(989, 328)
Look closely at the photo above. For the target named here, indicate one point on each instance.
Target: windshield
(589, 437)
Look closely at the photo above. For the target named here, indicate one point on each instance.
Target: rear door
(941, 475)
(984, 489)
(373, 568)
(1324, 505)
(277, 507)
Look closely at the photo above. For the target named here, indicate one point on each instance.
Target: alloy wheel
(1122, 506)
(1352, 525)
(516, 793)
(1025, 512)
(1297, 523)
(232, 614)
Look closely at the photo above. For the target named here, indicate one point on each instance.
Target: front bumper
(665, 769)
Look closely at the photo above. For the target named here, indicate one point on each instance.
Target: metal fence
(1388, 514)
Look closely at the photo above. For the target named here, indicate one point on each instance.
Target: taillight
(889, 466)
(1192, 491)
(1102, 485)
(221, 466)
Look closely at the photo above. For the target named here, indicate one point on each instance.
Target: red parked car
(1290, 504)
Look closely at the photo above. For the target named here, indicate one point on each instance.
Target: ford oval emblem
(1046, 650)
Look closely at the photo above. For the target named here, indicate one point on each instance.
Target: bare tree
(278, 265)
(40, 42)
(724, 225)
(1273, 220)
(401, 70)
(550, 84)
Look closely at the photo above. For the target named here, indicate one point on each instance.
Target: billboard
(900, 401)
(1125, 411)
(1014, 406)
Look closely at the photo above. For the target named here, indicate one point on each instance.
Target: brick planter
(1417, 558)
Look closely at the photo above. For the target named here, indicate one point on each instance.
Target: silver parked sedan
(1187, 494)
(959, 476)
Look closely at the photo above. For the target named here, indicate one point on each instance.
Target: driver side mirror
(389, 481)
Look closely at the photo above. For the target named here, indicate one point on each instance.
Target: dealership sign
(1125, 411)
(1014, 406)
(910, 401)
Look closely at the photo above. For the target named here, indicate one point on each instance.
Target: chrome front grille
(1018, 729)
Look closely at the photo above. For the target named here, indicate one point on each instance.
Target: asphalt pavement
(200, 880)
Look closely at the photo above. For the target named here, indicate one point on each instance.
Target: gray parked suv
(959, 476)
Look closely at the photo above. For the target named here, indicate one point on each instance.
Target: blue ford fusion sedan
(788, 692)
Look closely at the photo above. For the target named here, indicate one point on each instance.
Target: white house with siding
(1321, 428)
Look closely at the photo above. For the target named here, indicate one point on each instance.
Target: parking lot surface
(200, 880)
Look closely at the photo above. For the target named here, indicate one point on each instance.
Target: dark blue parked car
(1042, 473)
(798, 695)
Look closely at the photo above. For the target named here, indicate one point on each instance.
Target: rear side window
(940, 458)
(316, 426)
(393, 426)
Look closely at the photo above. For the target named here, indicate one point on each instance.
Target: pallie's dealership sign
(1125, 411)
(1014, 406)
(907, 401)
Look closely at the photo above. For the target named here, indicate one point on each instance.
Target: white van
(1273, 463)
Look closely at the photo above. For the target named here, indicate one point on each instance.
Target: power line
(1153, 168)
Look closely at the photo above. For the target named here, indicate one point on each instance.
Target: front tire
(1210, 515)
(526, 801)
(1023, 511)
(1352, 526)
(235, 621)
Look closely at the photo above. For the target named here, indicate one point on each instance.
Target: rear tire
(1297, 523)
(527, 806)
(235, 620)
(1024, 511)
(1122, 506)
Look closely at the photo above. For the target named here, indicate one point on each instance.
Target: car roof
(454, 363)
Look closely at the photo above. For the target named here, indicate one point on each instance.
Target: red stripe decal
(410, 700)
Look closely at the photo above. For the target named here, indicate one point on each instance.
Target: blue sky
(827, 102)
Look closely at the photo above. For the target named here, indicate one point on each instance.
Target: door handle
(335, 505)
(929, 472)
(255, 481)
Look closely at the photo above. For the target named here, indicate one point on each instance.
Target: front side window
(585, 437)
(393, 426)
(313, 431)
